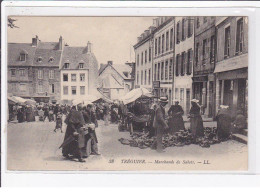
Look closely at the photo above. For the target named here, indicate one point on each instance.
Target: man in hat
(159, 122)
(176, 122)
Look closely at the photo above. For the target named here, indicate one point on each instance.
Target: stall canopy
(16, 100)
(89, 99)
(30, 102)
(135, 94)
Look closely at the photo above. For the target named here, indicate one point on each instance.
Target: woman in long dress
(196, 122)
(224, 121)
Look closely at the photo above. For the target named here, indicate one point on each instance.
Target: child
(58, 123)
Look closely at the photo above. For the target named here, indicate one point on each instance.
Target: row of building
(195, 57)
(53, 72)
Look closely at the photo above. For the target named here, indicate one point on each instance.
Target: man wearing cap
(176, 121)
(159, 122)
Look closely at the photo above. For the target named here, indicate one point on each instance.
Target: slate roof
(119, 68)
(14, 51)
(46, 51)
(76, 55)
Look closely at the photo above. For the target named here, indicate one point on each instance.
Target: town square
(171, 90)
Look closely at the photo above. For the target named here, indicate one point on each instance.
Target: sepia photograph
(162, 93)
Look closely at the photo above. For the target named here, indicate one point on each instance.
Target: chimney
(110, 62)
(35, 41)
(89, 47)
(61, 43)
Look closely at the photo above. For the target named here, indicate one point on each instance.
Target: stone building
(204, 64)
(115, 80)
(33, 70)
(232, 63)
(163, 56)
(79, 71)
(144, 59)
(184, 46)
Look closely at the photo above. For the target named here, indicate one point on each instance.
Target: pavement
(34, 146)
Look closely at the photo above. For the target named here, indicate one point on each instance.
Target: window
(22, 72)
(40, 74)
(142, 77)
(39, 59)
(82, 90)
(183, 29)
(81, 65)
(204, 20)
(65, 90)
(170, 69)
(137, 59)
(198, 22)
(167, 41)
(51, 88)
(145, 56)
(66, 66)
(239, 36)
(137, 79)
(158, 75)
(204, 47)
(22, 57)
(171, 39)
(51, 59)
(40, 87)
(177, 65)
(12, 72)
(155, 46)
(155, 70)
(178, 33)
(142, 58)
(145, 77)
(182, 62)
(212, 49)
(163, 43)
(197, 54)
(22, 87)
(51, 74)
(190, 27)
(162, 71)
(73, 77)
(149, 77)
(227, 43)
(82, 77)
(150, 54)
(159, 46)
(73, 90)
(189, 62)
(166, 70)
(176, 93)
(65, 77)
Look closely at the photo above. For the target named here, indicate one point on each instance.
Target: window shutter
(180, 34)
(191, 61)
(179, 62)
(186, 27)
(192, 24)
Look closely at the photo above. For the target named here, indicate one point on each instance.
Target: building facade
(204, 64)
(33, 70)
(79, 71)
(231, 69)
(144, 59)
(115, 80)
(184, 49)
(163, 56)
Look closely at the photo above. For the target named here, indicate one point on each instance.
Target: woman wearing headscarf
(74, 123)
(196, 122)
(176, 122)
(223, 122)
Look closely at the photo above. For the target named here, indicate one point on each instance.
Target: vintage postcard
(166, 93)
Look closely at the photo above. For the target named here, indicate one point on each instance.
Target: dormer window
(66, 66)
(51, 59)
(22, 57)
(81, 65)
(39, 59)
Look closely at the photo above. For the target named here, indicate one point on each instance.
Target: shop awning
(232, 63)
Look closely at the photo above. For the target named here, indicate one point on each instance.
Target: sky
(112, 38)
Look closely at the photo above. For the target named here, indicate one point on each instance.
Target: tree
(11, 23)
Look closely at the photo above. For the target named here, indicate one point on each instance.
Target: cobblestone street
(34, 146)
